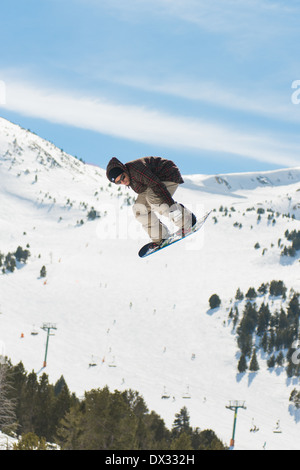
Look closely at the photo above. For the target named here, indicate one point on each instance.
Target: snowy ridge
(230, 183)
(144, 324)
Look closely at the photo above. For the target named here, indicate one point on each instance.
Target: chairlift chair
(165, 395)
(187, 394)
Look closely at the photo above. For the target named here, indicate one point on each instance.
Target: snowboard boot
(154, 245)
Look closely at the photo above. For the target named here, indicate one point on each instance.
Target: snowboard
(148, 249)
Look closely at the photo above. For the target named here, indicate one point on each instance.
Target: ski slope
(138, 323)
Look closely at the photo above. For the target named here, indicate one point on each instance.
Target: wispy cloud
(247, 30)
(264, 103)
(219, 16)
(231, 15)
(145, 125)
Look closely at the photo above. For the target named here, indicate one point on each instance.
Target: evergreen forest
(266, 321)
(40, 413)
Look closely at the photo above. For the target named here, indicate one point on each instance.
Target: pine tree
(283, 320)
(264, 341)
(294, 309)
(214, 301)
(264, 316)
(206, 440)
(277, 288)
(70, 430)
(239, 294)
(44, 425)
(60, 385)
(30, 441)
(271, 341)
(18, 379)
(181, 422)
(249, 320)
(263, 288)
(182, 442)
(280, 359)
(7, 405)
(251, 294)
(43, 272)
(109, 423)
(21, 255)
(295, 398)
(242, 364)
(62, 403)
(160, 435)
(236, 317)
(28, 412)
(271, 362)
(10, 262)
(254, 367)
(290, 369)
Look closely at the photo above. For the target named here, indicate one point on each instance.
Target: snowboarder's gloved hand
(176, 213)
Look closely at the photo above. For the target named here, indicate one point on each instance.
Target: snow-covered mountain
(145, 324)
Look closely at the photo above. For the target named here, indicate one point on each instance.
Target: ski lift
(187, 394)
(34, 331)
(165, 395)
(277, 429)
(112, 363)
(93, 363)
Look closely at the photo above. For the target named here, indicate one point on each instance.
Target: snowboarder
(155, 179)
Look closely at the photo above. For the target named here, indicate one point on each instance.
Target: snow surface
(7, 442)
(144, 324)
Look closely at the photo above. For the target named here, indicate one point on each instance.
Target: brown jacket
(150, 172)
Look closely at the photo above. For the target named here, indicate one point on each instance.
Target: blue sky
(205, 83)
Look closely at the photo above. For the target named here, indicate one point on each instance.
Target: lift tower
(234, 406)
(48, 327)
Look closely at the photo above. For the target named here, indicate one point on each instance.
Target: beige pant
(148, 204)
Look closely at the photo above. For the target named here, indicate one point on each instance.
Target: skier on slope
(155, 179)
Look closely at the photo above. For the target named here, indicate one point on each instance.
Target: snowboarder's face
(123, 179)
